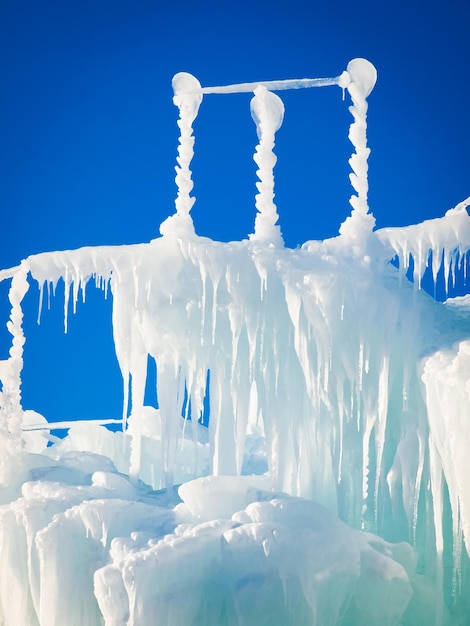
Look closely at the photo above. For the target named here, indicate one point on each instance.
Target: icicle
(340, 403)
(437, 510)
(215, 285)
(417, 485)
(76, 280)
(446, 265)
(138, 377)
(83, 284)
(436, 264)
(41, 296)
(50, 288)
(67, 287)
(381, 424)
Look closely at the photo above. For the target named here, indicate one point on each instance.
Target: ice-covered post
(187, 98)
(10, 370)
(267, 111)
(363, 76)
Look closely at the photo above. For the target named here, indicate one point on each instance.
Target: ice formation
(306, 462)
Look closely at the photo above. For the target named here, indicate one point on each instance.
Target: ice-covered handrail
(342, 81)
(71, 424)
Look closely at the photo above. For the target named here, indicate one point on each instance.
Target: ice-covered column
(267, 110)
(187, 98)
(10, 369)
(363, 76)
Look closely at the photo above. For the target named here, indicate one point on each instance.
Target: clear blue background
(88, 140)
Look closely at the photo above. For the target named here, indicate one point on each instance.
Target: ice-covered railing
(267, 111)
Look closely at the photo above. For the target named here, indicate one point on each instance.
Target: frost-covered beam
(342, 81)
(71, 424)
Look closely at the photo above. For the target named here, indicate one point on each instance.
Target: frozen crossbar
(342, 81)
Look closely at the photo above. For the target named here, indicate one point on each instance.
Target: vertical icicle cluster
(363, 76)
(267, 111)
(187, 98)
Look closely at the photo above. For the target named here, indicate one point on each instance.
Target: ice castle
(306, 463)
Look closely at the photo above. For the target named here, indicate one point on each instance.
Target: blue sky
(88, 139)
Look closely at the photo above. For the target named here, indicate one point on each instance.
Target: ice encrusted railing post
(363, 76)
(10, 369)
(267, 111)
(187, 98)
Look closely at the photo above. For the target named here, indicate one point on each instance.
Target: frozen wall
(337, 395)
